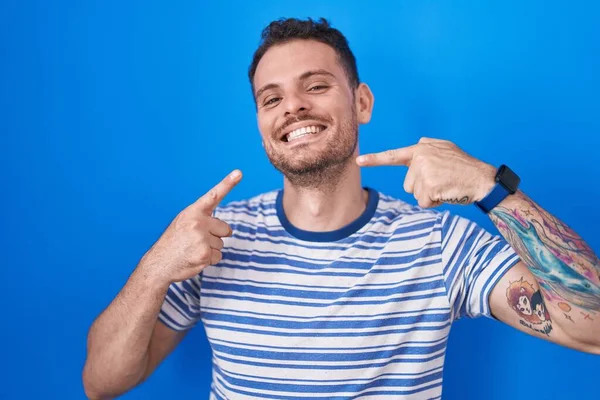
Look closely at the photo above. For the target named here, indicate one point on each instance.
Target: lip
(299, 125)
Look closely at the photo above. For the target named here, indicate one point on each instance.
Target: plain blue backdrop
(116, 115)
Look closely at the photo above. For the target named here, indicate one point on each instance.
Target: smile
(302, 132)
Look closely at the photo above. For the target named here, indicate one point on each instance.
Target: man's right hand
(193, 240)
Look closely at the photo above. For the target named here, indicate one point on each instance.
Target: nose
(295, 104)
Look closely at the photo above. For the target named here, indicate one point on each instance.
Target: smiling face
(306, 110)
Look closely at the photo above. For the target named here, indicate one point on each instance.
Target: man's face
(305, 108)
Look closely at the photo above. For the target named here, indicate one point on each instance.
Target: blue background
(116, 115)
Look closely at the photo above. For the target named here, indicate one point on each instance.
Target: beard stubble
(325, 168)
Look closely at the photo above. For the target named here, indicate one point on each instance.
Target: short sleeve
(474, 260)
(181, 307)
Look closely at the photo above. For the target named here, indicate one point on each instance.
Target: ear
(364, 103)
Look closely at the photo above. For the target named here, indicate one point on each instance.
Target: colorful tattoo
(529, 304)
(566, 269)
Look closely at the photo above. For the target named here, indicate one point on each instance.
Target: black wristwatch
(507, 183)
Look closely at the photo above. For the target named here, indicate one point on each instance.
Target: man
(330, 289)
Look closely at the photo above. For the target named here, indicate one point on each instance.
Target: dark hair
(286, 30)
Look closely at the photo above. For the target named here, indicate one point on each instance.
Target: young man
(330, 289)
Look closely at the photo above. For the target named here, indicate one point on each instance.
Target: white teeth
(295, 134)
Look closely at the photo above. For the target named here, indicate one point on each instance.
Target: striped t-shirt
(361, 312)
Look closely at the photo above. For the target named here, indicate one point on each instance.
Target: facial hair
(322, 169)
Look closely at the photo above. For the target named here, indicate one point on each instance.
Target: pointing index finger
(401, 156)
(214, 196)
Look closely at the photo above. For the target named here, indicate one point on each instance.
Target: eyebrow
(302, 77)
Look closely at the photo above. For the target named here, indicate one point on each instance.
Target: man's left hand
(438, 172)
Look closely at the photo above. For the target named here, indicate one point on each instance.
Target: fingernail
(235, 174)
(360, 159)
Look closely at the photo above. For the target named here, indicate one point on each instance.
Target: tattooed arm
(554, 292)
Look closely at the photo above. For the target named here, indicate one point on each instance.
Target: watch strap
(498, 193)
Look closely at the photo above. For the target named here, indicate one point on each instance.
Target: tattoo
(564, 306)
(586, 316)
(527, 213)
(464, 200)
(567, 316)
(565, 267)
(529, 304)
(569, 240)
(544, 329)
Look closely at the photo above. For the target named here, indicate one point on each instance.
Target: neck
(328, 206)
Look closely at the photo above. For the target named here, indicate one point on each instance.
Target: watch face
(500, 173)
(508, 178)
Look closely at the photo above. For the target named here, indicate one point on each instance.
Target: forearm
(566, 269)
(119, 339)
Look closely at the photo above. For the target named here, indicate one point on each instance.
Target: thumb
(207, 203)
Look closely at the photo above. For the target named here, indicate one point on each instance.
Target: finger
(211, 200)
(219, 228)
(436, 203)
(432, 141)
(417, 190)
(410, 179)
(421, 195)
(425, 202)
(215, 257)
(401, 156)
(215, 242)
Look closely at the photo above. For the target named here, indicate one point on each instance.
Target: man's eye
(318, 87)
(272, 100)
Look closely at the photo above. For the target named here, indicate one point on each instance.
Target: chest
(324, 296)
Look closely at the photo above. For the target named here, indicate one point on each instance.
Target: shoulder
(408, 220)
(393, 210)
(451, 230)
(249, 209)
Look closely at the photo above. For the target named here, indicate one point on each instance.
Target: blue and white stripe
(362, 312)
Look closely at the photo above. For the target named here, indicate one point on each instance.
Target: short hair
(287, 29)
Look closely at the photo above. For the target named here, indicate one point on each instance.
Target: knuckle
(391, 153)
(201, 255)
(224, 227)
(204, 251)
(192, 224)
(185, 220)
(192, 228)
(419, 157)
(212, 194)
(181, 218)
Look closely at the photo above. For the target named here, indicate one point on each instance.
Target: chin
(325, 157)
